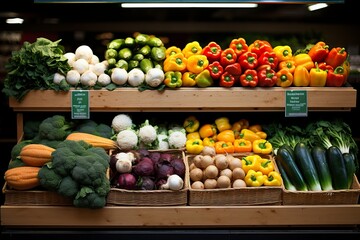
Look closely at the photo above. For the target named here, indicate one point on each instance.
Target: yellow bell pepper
(251, 162)
(226, 136)
(317, 77)
(266, 166)
(273, 179)
(238, 126)
(175, 62)
(192, 48)
(283, 53)
(224, 147)
(191, 124)
(209, 142)
(254, 178)
(249, 135)
(188, 79)
(262, 146)
(301, 77)
(172, 51)
(222, 124)
(304, 59)
(197, 63)
(194, 146)
(207, 130)
(193, 135)
(242, 145)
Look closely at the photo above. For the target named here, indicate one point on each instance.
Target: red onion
(166, 157)
(155, 156)
(147, 184)
(179, 167)
(126, 181)
(144, 168)
(163, 170)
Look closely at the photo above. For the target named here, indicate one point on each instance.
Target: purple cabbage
(179, 167)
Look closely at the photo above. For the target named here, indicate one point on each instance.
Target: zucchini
(307, 167)
(318, 154)
(286, 180)
(349, 160)
(337, 168)
(285, 156)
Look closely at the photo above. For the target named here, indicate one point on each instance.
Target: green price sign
(296, 103)
(80, 104)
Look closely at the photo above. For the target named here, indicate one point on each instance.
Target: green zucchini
(337, 168)
(286, 180)
(318, 154)
(349, 160)
(285, 156)
(307, 167)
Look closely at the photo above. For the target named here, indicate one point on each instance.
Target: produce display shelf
(190, 99)
(181, 216)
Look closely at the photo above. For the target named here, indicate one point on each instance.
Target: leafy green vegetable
(33, 66)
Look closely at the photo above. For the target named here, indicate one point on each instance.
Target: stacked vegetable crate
(246, 196)
(155, 197)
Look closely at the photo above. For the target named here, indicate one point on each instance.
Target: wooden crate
(333, 197)
(118, 196)
(231, 197)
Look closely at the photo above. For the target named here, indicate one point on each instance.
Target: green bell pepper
(146, 64)
(204, 79)
(173, 79)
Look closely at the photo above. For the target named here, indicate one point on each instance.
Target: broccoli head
(90, 126)
(55, 128)
(88, 198)
(68, 187)
(15, 151)
(49, 179)
(31, 129)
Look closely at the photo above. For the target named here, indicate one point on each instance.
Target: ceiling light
(317, 6)
(189, 5)
(14, 21)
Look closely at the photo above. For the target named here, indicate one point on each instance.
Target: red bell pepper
(234, 69)
(239, 45)
(260, 46)
(319, 52)
(248, 60)
(249, 78)
(336, 57)
(212, 51)
(267, 76)
(215, 69)
(336, 77)
(228, 56)
(227, 80)
(268, 58)
(324, 66)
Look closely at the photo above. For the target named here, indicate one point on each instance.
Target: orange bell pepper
(284, 78)
(224, 147)
(289, 64)
(305, 60)
(242, 145)
(261, 134)
(207, 130)
(226, 136)
(301, 77)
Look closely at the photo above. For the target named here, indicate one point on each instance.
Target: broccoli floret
(49, 179)
(47, 142)
(89, 199)
(82, 170)
(31, 129)
(15, 151)
(17, 162)
(90, 126)
(68, 187)
(55, 128)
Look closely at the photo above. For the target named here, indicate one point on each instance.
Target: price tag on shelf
(296, 104)
(80, 104)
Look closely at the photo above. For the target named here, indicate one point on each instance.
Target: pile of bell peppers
(255, 64)
(225, 136)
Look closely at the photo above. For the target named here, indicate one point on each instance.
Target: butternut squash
(36, 155)
(22, 178)
(94, 140)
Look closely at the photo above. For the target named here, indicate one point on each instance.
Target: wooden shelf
(181, 216)
(190, 99)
